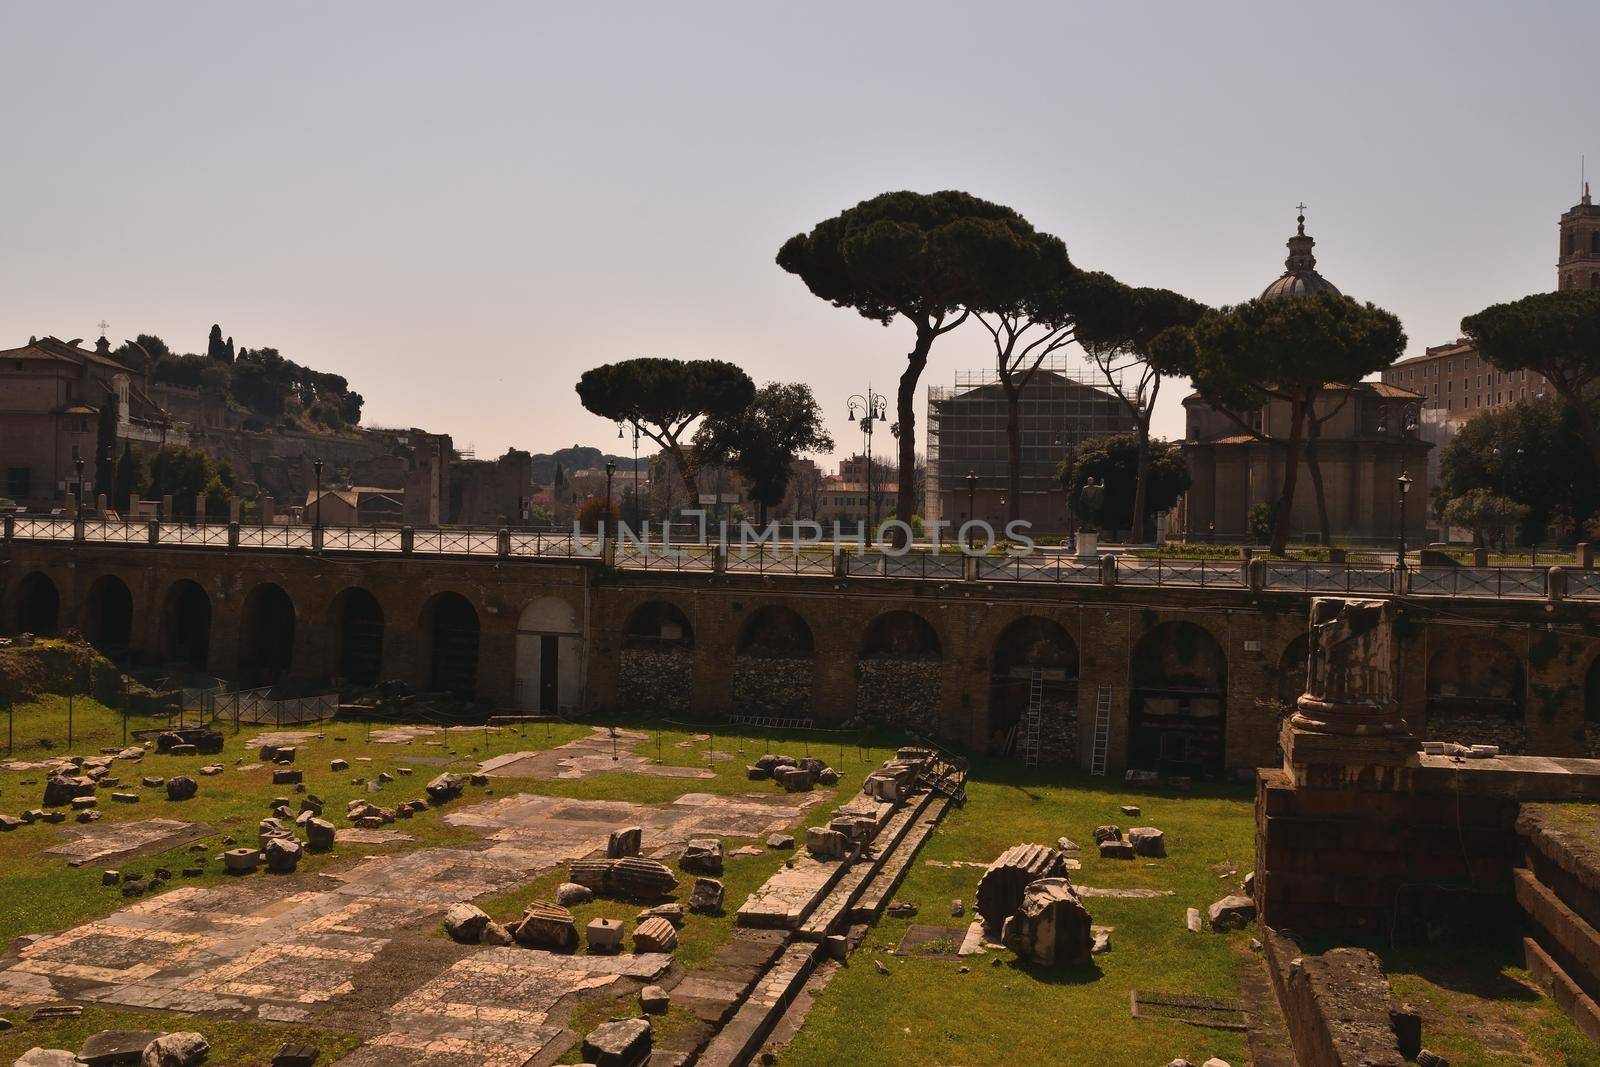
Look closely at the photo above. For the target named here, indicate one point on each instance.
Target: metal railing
(1205, 573)
(1057, 568)
(1480, 581)
(358, 539)
(1327, 577)
(1061, 570)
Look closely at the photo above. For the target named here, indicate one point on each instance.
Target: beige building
(1367, 434)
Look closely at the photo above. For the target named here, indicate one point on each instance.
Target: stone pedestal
(1088, 544)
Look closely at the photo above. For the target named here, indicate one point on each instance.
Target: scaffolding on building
(1065, 403)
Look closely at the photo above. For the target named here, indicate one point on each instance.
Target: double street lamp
(872, 408)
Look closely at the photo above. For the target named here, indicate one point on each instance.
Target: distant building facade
(59, 403)
(1367, 434)
(969, 455)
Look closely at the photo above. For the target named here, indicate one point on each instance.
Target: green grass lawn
(927, 1011)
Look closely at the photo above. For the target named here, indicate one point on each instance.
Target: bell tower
(1578, 264)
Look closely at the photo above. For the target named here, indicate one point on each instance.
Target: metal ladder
(1030, 723)
(1102, 731)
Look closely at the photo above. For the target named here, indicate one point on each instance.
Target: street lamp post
(78, 463)
(316, 467)
(611, 469)
(872, 408)
(1404, 483)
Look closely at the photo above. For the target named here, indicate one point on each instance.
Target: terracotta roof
(53, 348)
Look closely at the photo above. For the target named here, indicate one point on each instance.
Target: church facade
(1362, 438)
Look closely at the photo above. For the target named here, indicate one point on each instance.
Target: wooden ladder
(1031, 721)
(1102, 731)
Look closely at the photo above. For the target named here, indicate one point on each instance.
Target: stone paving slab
(294, 949)
(783, 901)
(98, 843)
(599, 753)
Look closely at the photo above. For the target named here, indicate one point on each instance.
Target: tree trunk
(1291, 474)
(1141, 479)
(1586, 426)
(685, 471)
(1013, 448)
(1314, 469)
(906, 408)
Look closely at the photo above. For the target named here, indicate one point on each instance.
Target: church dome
(1300, 277)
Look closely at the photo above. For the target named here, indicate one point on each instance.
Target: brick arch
(775, 663)
(1178, 699)
(900, 666)
(107, 617)
(451, 626)
(656, 657)
(184, 624)
(39, 604)
(901, 633)
(356, 620)
(1290, 673)
(1477, 692)
(267, 621)
(1029, 648)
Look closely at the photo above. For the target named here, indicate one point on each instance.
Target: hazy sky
(462, 206)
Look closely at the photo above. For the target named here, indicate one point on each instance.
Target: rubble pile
(652, 680)
(901, 693)
(772, 685)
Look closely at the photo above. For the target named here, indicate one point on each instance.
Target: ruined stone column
(1347, 730)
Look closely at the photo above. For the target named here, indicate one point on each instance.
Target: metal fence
(257, 708)
(809, 559)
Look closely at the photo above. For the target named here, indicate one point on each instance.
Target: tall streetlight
(1404, 484)
(871, 408)
(636, 522)
(972, 490)
(77, 461)
(316, 467)
(611, 469)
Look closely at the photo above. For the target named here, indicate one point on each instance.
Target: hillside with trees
(268, 389)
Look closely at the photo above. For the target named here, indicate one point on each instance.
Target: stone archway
(266, 636)
(656, 669)
(1292, 671)
(774, 664)
(38, 606)
(450, 626)
(108, 618)
(184, 642)
(549, 657)
(1477, 693)
(899, 672)
(1034, 651)
(358, 621)
(1177, 709)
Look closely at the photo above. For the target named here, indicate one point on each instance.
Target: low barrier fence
(255, 707)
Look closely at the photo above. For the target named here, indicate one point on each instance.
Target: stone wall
(900, 693)
(1473, 727)
(655, 682)
(1058, 732)
(773, 685)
